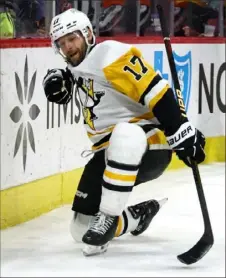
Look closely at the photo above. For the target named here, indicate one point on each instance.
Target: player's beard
(81, 56)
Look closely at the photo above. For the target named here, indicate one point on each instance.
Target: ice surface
(44, 247)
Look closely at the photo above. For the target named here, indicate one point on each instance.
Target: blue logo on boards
(184, 71)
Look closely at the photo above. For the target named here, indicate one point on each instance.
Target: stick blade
(198, 251)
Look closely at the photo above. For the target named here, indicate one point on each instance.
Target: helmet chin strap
(89, 45)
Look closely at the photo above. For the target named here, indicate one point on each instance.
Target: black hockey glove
(188, 142)
(58, 86)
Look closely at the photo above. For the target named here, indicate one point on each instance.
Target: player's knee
(128, 143)
(79, 225)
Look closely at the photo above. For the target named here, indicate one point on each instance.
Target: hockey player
(133, 120)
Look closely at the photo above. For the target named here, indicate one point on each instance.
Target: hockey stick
(206, 241)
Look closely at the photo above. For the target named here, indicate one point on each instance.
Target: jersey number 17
(136, 61)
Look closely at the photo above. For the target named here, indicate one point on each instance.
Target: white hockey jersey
(118, 85)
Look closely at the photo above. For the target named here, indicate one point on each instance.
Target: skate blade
(91, 250)
(162, 202)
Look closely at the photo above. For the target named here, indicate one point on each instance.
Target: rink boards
(41, 143)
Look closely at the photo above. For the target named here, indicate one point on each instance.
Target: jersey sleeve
(131, 75)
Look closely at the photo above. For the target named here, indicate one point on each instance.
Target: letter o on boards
(221, 105)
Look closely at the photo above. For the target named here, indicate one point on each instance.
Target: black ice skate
(146, 211)
(101, 230)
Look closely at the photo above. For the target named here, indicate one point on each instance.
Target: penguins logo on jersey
(89, 100)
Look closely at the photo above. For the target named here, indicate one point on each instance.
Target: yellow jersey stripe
(109, 129)
(148, 91)
(103, 145)
(120, 177)
(156, 99)
(146, 116)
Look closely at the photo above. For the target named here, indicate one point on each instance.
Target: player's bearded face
(73, 46)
